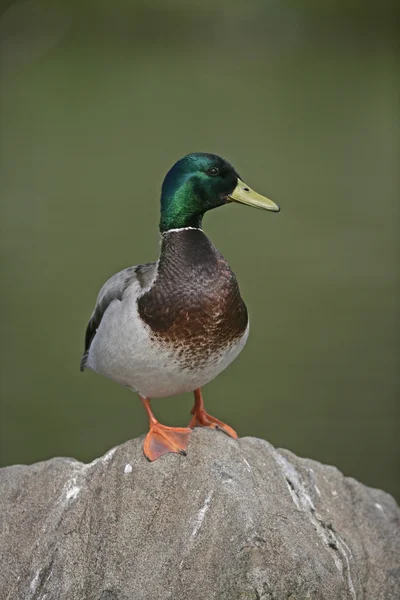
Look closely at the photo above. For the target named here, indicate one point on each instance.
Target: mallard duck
(171, 326)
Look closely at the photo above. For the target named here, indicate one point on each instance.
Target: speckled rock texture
(232, 520)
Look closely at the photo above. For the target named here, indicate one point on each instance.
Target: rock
(232, 520)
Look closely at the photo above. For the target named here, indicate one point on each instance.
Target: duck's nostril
(246, 189)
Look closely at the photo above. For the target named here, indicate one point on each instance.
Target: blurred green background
(97, 101)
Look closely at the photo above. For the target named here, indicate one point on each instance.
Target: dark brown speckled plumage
(195, 304)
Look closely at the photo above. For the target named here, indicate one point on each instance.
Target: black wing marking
(112, 290)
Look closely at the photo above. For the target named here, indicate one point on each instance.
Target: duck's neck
(181, 206)
(180, 221)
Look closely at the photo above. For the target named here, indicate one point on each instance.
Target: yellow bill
(245, 195)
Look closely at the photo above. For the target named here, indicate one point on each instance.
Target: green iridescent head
(199, 182)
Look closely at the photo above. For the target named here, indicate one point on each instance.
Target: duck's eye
(213, 171)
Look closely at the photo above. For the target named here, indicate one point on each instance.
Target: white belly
(123, 350)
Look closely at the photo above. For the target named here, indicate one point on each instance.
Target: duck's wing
(112, 290)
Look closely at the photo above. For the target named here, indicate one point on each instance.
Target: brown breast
(194, 305)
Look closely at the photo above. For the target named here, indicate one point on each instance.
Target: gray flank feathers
(112, 290)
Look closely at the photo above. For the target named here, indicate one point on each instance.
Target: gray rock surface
(232, 520)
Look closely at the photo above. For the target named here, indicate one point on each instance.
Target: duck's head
(199, 182)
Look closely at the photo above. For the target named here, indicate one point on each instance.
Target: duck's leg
(202, 419)
(162, 439)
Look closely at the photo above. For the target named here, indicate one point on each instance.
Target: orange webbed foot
(202, 419)
(162, 439)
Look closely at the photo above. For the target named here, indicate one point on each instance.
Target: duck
(171, 326)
